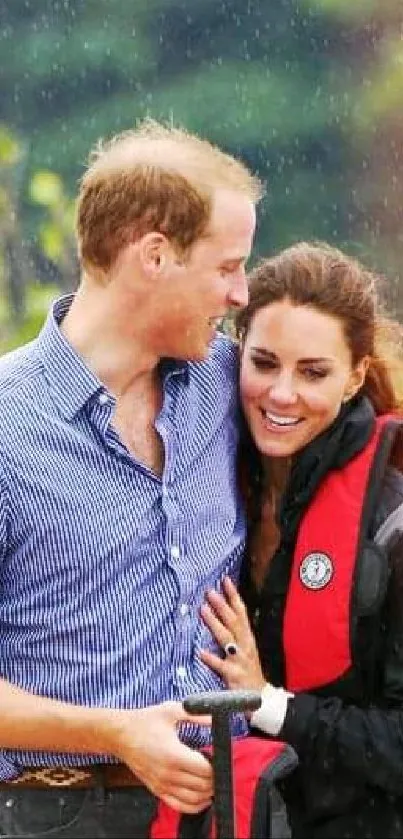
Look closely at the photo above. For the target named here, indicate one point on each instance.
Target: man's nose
(239, 291)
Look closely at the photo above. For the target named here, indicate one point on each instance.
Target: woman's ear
(357, 378)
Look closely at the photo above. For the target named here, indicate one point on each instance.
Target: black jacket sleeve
(329, 735)
(332, 736)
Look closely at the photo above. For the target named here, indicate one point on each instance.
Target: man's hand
(147, 741)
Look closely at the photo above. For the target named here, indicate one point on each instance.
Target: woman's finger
(214, 662)
(220, 632)
(234, 599)
(236, 674)
(224, 611)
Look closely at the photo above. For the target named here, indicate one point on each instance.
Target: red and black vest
(333, 535)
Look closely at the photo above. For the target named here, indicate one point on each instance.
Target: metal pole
(221, 705)
(223, 786)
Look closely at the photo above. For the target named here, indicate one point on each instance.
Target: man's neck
(119, 361)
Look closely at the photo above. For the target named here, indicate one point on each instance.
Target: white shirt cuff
(271, 714)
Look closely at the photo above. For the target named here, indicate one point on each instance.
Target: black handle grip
(223, 701)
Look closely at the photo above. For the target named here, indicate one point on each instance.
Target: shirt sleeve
(270, 717)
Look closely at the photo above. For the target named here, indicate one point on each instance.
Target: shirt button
(184, 608)
(181, 672)
(103, 398)
(175, 552)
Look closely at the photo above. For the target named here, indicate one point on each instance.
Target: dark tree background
(308, 92)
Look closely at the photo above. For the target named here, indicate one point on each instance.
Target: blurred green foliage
(24, 299)
(38, 300)
(308, 92)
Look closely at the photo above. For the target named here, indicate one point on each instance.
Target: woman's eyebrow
(311, 360)
(263, 351)
(317, 360)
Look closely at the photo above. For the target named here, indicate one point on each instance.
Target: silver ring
(231, 648)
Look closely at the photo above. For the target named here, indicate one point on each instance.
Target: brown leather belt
(107, 775)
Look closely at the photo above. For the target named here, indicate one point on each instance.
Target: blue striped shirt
(104, 564)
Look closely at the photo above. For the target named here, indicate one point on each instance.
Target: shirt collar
(71, 382)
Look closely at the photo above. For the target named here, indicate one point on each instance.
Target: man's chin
(200, 350)
(201, 354)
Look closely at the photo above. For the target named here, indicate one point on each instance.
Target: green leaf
(382, 95)
(52, 240)
(46, 188)
(10, 149)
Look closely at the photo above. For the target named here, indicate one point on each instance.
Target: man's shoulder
(224, 348)
(221, 363)
(17, 370)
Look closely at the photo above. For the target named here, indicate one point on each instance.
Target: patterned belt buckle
(53, 777)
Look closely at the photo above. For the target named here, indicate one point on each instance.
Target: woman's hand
(228, 622)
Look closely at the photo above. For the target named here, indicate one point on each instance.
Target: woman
(323, 581)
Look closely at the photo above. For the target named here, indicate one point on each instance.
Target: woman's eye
(314, 373)
(263, 363)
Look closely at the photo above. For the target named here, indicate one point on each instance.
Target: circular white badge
(316, 570)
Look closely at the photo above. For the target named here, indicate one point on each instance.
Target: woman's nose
(283, 390)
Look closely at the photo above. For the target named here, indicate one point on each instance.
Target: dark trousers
(76, 813)
(99, 813)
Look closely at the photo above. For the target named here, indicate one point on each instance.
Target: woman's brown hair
(321, 276)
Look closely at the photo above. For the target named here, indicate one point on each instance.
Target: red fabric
(250, 758)
(166, 823)
(316, 631)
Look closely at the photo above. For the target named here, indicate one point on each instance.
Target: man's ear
(153, 249)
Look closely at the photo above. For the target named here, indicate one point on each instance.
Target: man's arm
(145, 739)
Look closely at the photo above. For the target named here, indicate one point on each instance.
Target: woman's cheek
(251, 386)
(324, 403)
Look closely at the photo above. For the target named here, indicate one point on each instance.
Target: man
(118, 504)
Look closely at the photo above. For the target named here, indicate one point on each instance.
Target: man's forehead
(233, 215)
(226, 201)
